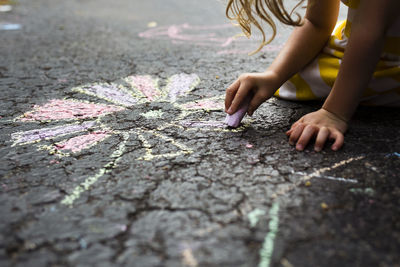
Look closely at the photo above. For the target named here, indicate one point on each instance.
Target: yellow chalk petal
(152, 24)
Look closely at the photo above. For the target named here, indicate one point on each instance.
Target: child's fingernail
(317, 149)
(291, 143)
(299, 147)
(229, 110)
(334, 148)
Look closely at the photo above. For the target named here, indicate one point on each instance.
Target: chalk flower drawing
(83, 125)
(222, 37)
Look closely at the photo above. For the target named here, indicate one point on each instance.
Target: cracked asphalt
(161, 190)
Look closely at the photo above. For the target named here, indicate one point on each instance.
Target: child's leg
(384, 88)
(314, 82)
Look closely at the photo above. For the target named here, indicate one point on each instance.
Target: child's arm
(303, 45)
(360, 58)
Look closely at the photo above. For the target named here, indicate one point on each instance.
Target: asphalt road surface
(113, 151)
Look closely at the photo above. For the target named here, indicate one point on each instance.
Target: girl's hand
(321, 124)
(261, 85)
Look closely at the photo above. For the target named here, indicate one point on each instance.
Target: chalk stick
(235, 119)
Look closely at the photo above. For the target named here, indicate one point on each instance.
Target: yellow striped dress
(316, 80)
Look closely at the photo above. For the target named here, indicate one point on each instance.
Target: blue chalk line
(10, 26)
(268, 245)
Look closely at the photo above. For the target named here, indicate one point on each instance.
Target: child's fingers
(322, 136)
(308, 132)
(239, 97)
(339, 140)
(295, 134)
(296, 123)
(256, 101)
(230, 93)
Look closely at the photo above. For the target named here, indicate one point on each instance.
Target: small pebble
(324, 206)
(308, 183)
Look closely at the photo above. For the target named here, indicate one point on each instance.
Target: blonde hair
(247, 12)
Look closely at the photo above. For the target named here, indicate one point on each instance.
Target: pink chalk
(146, 85)
(235, 119)
(58, 109)
(79, 143)
(186, 33)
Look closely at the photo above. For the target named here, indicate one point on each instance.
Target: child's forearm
(306, 41)
(361, 56)
(356, 70)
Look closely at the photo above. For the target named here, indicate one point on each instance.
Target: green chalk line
(268, 245)
(254, 216)
(368, 191)
(85, 185)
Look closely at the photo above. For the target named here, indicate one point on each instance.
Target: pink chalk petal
(159, 32)
(79, 143)
(235, 119)
(146, 85)
(58, 109)
(205, 104)
(186, 33)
